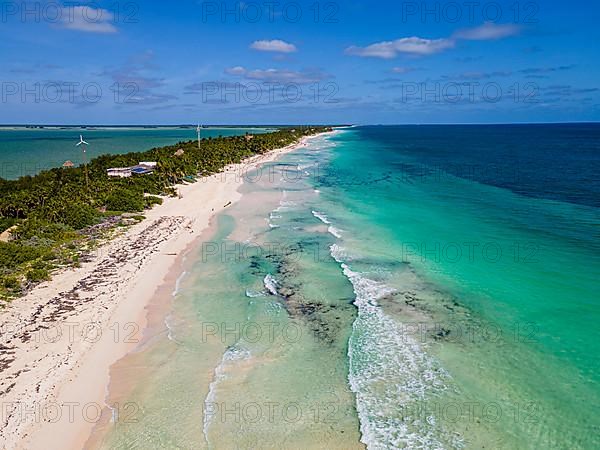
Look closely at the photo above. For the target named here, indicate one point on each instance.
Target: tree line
(58, 214)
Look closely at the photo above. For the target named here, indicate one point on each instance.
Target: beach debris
(115, 267)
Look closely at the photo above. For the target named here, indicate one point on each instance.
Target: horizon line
(292, 124)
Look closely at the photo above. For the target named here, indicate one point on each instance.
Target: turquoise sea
(27, 151)
(389, 287)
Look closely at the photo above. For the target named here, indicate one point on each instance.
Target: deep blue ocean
(547, 161)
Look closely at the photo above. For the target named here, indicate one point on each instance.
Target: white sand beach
(60, 340)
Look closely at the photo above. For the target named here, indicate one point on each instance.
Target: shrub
(79, 216)
(151, 200)
(37, 275)
(6, 223)
(50, 256)
(39, 265)
(43, 230)
(12, 283)
(125, 200)
(12, 255)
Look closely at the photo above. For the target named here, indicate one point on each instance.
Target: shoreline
(157, 313)
(61, 339)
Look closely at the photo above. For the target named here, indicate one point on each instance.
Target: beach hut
(179, 152)
(68, 165)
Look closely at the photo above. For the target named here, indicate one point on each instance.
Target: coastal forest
(57, 218)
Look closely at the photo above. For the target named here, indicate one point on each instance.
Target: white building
(143, 168)
(121, 172)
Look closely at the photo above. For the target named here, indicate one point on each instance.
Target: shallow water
(359, 295)
(29, 151)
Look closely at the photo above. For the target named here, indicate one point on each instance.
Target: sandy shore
(59, 342)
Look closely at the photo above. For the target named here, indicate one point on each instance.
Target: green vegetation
(125, 200)
(6, 223)
(57, 215)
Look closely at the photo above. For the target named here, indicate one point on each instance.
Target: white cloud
(411, 45)
(237, 70)
(422, 47)
(487, 32)
(275, 45)
(283, 76)
(278, 75)
(402, 70)
(87, 19)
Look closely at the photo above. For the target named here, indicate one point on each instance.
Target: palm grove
(57, 217)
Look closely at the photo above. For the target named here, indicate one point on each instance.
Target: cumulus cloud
(237, 70)
(418, 46)
(275, 45)
(88, 19)
(487, 32)
(411, 45)
(278, 75)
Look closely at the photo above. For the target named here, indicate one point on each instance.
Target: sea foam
(271, 284)
(331, 229)
(322, 217)
(232, 355)
(178, 284)
(390, 373)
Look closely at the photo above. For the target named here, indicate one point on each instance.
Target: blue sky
(111, 62)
